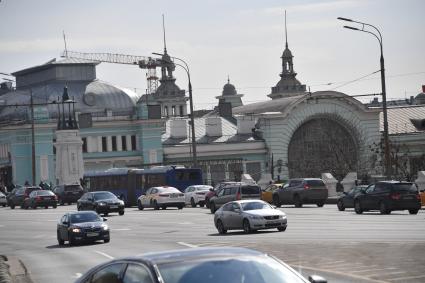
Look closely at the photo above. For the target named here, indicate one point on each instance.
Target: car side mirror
(211, 190)
(65, 223)
(105, 219)
(237, 210)
(90, 199)
(344, 193)
(317, 279)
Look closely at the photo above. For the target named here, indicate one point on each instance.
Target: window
(109, 274)
(124, 143)
(104, 144)
(84, 144)
(165, 111)
(137, 274)
(173, 110)
(133, 142)
(181, 111)
(228, 207)
(114, 143)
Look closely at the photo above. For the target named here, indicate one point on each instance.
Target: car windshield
(407, 187)
(169, 190)
(45, 193)
(84, 217)
(104, 195)
(75, 188)
(229, 270)
(254, 205)
(315, 183)
(250, 190)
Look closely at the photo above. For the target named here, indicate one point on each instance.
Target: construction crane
(148, 63)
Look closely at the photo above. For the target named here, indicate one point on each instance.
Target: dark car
(101, 202)
(387, 196)
(18, 195)
(301, 191)
(68, 193)
(232, 192)
(213, 191)
(347, 199)
(40, 198)
(76, 227)
(206, 265)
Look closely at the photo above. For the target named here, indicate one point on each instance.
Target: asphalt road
(341, 246)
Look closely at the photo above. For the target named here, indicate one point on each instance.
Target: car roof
(248, 200)
(98, 192)
(164, 187)
(394, 182)
(195, 253)
(82, 212)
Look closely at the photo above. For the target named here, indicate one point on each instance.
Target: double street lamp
(378, 36)
(192, 120)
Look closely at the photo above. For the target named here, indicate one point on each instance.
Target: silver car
(249, 215)
(3, 201)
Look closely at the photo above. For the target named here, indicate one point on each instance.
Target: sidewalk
(12, 270)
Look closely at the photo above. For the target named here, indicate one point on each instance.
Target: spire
(228, 79)
(286, 34)
(163, 29)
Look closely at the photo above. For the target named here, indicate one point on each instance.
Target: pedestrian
(27, 183)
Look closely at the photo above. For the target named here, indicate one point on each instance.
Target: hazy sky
(240, 38)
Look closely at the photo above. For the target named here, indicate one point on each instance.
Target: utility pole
(32, 140)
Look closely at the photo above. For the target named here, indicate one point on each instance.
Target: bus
(129, 183)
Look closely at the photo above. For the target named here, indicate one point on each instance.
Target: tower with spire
(171, 98)
(288, 84)
(230, 95)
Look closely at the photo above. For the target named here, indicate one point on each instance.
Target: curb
(12, 270)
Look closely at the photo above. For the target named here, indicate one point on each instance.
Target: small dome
(229, 89)
(287, 53)
(420, 98)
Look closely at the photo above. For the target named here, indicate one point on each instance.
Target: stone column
(420, 181)
(330, 183)
(349, 181)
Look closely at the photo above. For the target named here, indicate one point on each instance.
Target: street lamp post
(378, 36)
(192, 120)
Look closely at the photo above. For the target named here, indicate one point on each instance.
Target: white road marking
(406, 278)
(105, 255)
(374, 269)
(187, 245)
(77, 275)
(122, 229)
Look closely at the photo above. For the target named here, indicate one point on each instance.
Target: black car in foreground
(387, 196)
(77, 227)
(103, 202)
(40, 198)
(206, 265)
(347, 199)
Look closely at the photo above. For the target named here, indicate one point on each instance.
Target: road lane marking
(406, 278)
(187, 245)
(105, 255)
(77, 275)
(122, 229)
(374, 269)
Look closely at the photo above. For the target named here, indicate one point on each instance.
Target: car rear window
(315, 183)
(405, 187)
(250, 190)
(45, 193)
(75, 188)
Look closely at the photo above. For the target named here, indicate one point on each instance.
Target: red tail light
(306, 187)
(238, 196)
(395, 196)
(164, 195)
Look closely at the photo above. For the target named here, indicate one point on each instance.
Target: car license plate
(92, 234)
(173, 195)
(113, 206)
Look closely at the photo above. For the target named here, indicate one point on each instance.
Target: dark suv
(301, 191)
(213, 191)
(68, 193)
(387, 196)
(234, 191)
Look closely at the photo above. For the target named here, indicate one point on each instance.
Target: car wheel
(12, 206)
(139, 205)
(55, 205)
(320, 204)
(246, 226)
(163, 207)
(281, 229)
(105, 214)
(121, 212)
(61, 202)
(4, 205)
(201, 204)
(180, 207)
(71, 241)
(207, 203)
(212, 207)
(276, 201)
(413, 211)
(340, 205)
(220, 227)
(383, 208)
(155, 205)
(106, 240)
(46, 207)
(297, 201)
(357, 207)
(33, 206)
(192, 202)
(60, 241)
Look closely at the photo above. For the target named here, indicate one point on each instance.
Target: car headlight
(255, 217)
(101, 203)
(76, 230)
(122, 202)
(105, 227)
(282, 216)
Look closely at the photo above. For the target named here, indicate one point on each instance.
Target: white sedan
(195, 194)
(161, 197)
(249, 215)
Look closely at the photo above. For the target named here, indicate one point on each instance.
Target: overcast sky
(242, 39)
